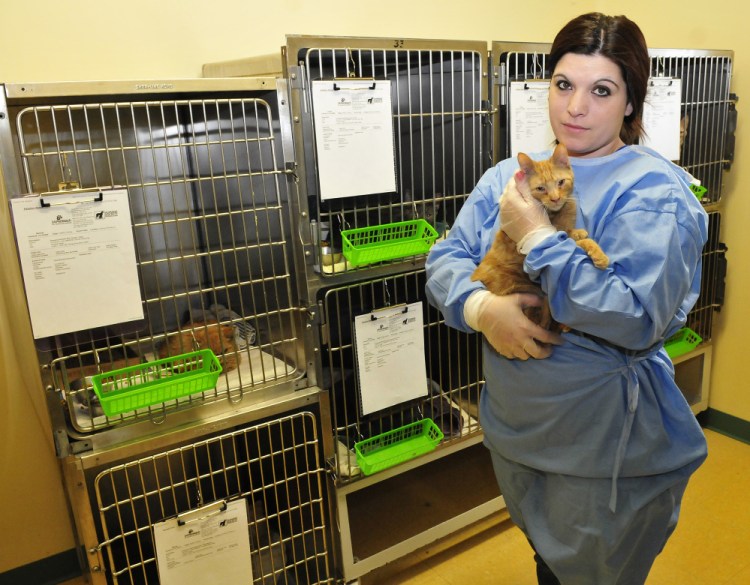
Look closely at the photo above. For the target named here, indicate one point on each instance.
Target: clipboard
(207, 545)
(78, 259)
(354, 140)
(661, 116)
(530, 128)
(390, 357)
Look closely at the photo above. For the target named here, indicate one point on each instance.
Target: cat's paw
(600, 259)
(578, 234)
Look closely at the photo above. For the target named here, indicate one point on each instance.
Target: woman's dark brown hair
(619, 39)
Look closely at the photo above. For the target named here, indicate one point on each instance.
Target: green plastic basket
(387, 241)
(683, 341)
(698, 190)
(142, 385)
(393, 447)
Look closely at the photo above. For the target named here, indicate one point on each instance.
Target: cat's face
(549, 181)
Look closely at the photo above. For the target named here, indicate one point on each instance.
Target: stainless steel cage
(454, 374)
(273, 465)
(212, 206)
(709, 117)
(707, 106)
(209, 196)
(440, 118)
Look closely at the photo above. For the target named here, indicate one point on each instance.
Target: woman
(592, 442)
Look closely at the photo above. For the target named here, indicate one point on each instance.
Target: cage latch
(68, 184)
(291, 171)
(729, 139)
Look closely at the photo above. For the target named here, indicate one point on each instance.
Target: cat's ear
(525, 162)
(560, 155)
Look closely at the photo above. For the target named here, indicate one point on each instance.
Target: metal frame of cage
(707, 151)
(212, 204)
(711, 298)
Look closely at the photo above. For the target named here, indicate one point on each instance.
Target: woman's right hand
(507, 329)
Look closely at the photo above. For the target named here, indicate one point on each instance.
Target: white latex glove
(522, 217)
(505, 326)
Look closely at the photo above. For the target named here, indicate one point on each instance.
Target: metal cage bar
(274, 466)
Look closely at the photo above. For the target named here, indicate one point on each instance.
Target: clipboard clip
(403, 311)
(98, 199)
(368, 88)
(202, 513)
(652, 81)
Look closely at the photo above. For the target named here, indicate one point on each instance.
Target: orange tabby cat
(204, 335)
(551, 183)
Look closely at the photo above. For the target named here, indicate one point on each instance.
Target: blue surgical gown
(604, 406)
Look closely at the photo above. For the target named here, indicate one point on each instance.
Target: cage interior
(208, 200)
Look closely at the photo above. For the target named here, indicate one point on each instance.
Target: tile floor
(711, 545)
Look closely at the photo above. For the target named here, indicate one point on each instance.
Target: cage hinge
(719, 284)
(498, 74)
(296, 77)
(322, 323)
(729, 139)
(314, 314)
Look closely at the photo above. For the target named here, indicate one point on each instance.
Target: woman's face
(588, 102)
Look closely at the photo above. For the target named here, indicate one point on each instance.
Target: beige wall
(87, 39)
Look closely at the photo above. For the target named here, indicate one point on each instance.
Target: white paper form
(354, 137)
(390, 356)
(661, 116)
(529, 117)
(213, 548)
(78, 260)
